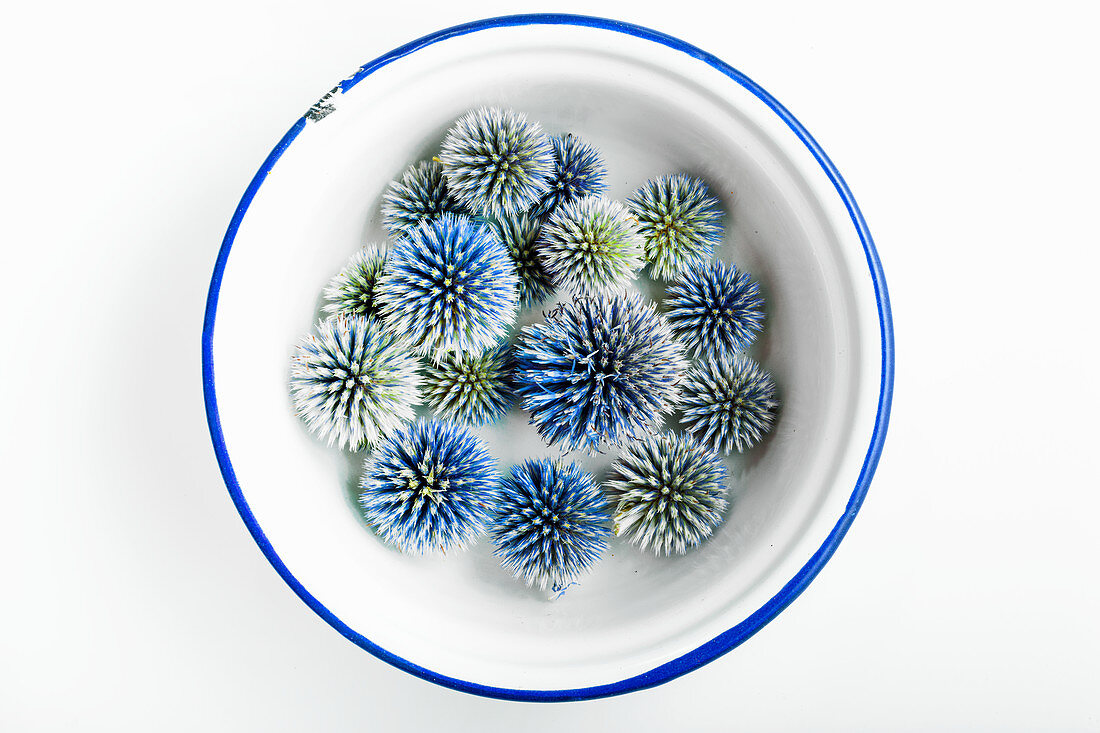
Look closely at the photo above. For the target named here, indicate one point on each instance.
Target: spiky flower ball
(716, 310)
(600, 370)
(519, 233)
(353, 381)
(450, 286)
(551, 522)
(429, 487)
(669, 493)
(680, 220)
(354, 289)
(497, 162)
(729, 403)
(472, 389)
(591, 244)
(420, 194)
(578, 172)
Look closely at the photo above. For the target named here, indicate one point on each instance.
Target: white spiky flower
(729, 403)
(353, 290)
(496, 161)
(470, 389)
(420, 194)
(353, 381)
(591, 244)
(669, 493)
(680, 222)
(519, 234)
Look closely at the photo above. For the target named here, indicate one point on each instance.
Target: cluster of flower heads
(504, 219)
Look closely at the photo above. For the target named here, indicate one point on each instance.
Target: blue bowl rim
(725, 641)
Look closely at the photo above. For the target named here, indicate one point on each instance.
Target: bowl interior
(651, 111)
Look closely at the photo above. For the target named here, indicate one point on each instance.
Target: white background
(965, 596)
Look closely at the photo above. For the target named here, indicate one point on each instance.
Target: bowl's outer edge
(723, 642)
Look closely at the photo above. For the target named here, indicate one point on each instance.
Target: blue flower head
(591, 245)
(354, 289)
(353, 381)
(471, 389)
(578, 172)
(450, 286)
(430, 487)
(420, 194)
(497, 162)
(669, 493)
(600, 370)
(714, 309)
(680, 220)
(519, 233)
(550, 524)
(729, 403)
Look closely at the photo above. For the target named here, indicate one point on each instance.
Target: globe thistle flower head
(599, 370)
(497, 162)
(353, 381)
(450, 286)
(420, 194)
(550, 524)
(729, 403)
(519, 233)
(715, 309)
(470, 389)
(429, 487)
(578, 172)
(591, 244)
(354, 289)
(669, 493)
(680, 221)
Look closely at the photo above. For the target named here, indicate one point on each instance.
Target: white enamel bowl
(652, 105)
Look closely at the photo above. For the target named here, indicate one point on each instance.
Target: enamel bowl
(652, 105)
